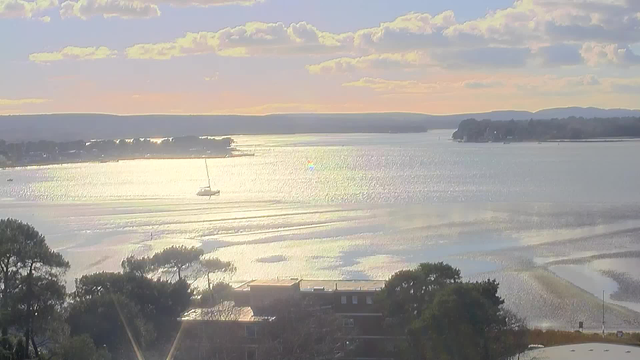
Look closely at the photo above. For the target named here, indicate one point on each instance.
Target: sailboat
(207, 191)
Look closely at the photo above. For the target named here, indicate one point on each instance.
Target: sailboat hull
(208, 192)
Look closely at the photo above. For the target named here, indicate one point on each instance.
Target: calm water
(541, 218)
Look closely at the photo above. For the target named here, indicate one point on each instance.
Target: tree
(112, 321)
(9, 267)
(80, 348)
(138, 266)
(214, 265)
(466, 321)
(408, 292)
(177, 259)
(159, 302)
(32, 277)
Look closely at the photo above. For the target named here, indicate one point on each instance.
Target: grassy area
(555, 338)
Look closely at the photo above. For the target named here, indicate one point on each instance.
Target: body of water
(543, 219)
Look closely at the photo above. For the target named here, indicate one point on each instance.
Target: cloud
(408, 32)
(251, 39)
(85, 9)
(546, 85)
(482, 84)
(484, 57)
(599, 54)
(559, 55)
(73, 53)
(14, 102)
(24, 8)
(45, 19)
(382, 61)
(530, 21)
(130, 9)
(395, 86)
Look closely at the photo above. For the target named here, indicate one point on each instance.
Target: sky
(292, 56)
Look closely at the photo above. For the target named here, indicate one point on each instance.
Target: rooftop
(227, 311)
(341, 285)
(318, 285)
(272, 282)
(592, 351)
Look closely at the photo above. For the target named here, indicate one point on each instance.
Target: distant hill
(69, 127)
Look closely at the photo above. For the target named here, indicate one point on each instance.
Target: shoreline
(115, 160)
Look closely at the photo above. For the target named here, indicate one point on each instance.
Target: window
(348, 323)
(343, 299)
(354, 299)
(250, 331)
(251, 353)
(369, 300)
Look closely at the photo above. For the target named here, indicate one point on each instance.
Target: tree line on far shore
(571, 128)
(36, 152)
(134, 313)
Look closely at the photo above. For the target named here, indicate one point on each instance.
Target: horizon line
(313, 113)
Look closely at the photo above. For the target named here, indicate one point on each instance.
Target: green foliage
(159, 302)
(20, 352)
(177, 259)
(215, 295)
(137, 266)
(110, 320)
(31, 275)
(445, 318)
(211, 266)
(460, 324)
(408, 292)
(80, 348)
(569, 128)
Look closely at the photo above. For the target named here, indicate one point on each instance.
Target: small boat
(207, 190)
(10, 180)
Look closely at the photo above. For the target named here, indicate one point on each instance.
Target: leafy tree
(408, 292)
(218, 293)
(32, 277)
(80, 348)
(466, 321)
(214, 265)
(138, 266)
(177, 259)
(112, 321)
(20, 352)
(160, 302)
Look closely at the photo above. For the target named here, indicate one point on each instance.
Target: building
(590, 351)
(352, 300)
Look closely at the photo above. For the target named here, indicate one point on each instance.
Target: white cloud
(85, 9)
(129, 9)
(549, 85)
(73, 53)
(14, 102)
(370, 62)
(251, 39)
(598, 54)
(24, 8)
(45, 19)
(482, 84)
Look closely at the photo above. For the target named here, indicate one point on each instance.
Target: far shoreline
(132, 158)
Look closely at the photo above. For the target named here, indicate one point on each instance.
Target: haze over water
(555, 224)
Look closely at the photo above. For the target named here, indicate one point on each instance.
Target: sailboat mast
(207, 167)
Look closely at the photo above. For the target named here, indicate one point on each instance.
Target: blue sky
(277, 56)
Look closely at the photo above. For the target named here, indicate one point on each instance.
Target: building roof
(318, 285)
(227, 311)
(590, 351)
(341, 285)
(268, 282)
